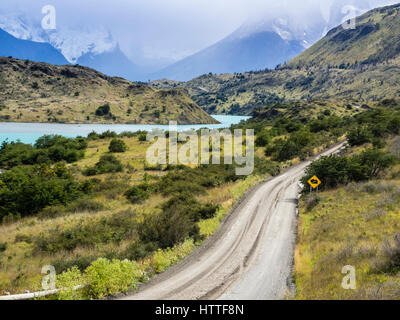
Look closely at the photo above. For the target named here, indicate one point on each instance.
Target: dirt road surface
(249, 258)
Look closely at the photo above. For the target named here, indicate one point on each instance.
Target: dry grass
(350, 226)
(20, 264)
(39, 92)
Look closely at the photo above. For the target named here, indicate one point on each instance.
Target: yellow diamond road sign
(314, 182)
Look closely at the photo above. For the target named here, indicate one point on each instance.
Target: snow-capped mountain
(256, 45)
(71, 42)
(274, 38)
(91, 46)
(30, 50)
(255, 51)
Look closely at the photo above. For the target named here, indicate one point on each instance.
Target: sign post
(314, 183)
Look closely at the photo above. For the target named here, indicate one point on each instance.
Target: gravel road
(249, 258)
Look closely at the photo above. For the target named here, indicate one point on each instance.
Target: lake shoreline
(29, 132)
(106, 123)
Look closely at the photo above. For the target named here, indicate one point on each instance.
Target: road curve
(249, 258)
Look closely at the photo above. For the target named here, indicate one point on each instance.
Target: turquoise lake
(30, 132)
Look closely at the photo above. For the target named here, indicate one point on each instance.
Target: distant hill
(360, 65)
(25, 49)
(234, 54)
(40, 92)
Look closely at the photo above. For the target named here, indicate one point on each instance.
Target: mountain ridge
(25, 49)
(255, 51)
(92, 47)
(360, 65)
(40, 92)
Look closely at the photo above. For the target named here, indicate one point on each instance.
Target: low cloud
(162, 31)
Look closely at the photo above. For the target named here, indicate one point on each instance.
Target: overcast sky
(170, 29)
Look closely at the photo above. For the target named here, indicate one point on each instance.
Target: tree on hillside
(117, 146)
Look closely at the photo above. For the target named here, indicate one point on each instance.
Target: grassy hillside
(355, 224)
(306, 111)
(375, 39)
(39, 92)
(359, 66)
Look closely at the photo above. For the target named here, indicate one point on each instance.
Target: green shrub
(394, 125)
(23, 238)
(177, 222)
(111, 229)
(197, 180)
(88, 186)
(67, 281)
(28, 190)
(3, 246)
(14, 154)
(92, 171)
(84, 205)
(374, 161)
(167, 229)
(105, 135)
(107, 164)
(47, 149)
(101, 279)
(295, 146)
(48, 141)
(263, 166)
(81, 262)
(103, 110)
(139, 250)
(335, 170)
(188, 205)
(112, 187)
(325, 124)
(108, 134)
(263, 139)
(359, 136)
(117, 146)
(139, 193)
(163, 259)
(142, 137)
(108, 278)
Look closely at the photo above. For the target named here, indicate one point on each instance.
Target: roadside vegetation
(87, 217)
(107, 213)
(354, 221)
